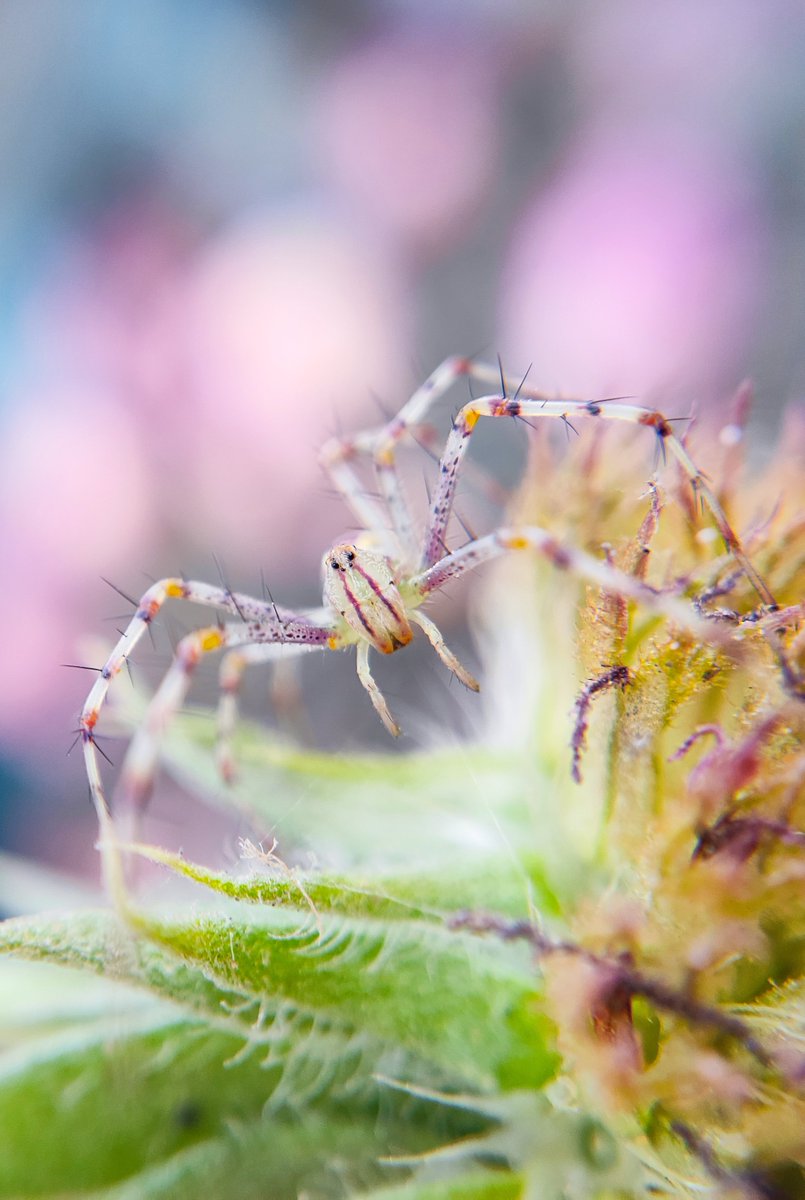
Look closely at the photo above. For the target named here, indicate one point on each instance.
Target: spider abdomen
(360, 586)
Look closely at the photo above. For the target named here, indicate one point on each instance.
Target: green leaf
(318, 1155)
(377, 808)
(404, 896)
(458, 1002)
(156, 1105)
(475, 1185)
(403, 993)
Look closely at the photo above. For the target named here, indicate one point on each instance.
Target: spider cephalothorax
(360, 586)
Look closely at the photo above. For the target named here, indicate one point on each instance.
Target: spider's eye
(334, 564)
(350, 555)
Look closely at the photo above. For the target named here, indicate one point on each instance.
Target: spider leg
(531, 537)
(337, 457)
(264, 623)
(233, 665)
(139, 765)
(447, 656)
(526, 402)
(375, 694)
(339, 454)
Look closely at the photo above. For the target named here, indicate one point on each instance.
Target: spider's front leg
(264, 621)
(436, 640)
(257, 613)
(566, 558)
(146, 613)
(527, 403)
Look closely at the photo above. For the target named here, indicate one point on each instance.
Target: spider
(373, 597)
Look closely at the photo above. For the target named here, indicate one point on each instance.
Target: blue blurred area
(200, 96)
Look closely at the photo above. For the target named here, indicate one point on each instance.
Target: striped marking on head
(360, 586)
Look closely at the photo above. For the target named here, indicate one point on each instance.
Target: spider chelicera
(373, 597)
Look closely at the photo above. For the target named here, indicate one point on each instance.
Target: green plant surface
(265, 1012)
(170, 1105)
(516, 887)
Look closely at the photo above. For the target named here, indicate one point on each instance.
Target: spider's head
(359, 585)
(342, 558)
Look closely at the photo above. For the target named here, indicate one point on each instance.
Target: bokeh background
(229, 228)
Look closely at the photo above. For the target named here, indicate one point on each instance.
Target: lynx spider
(373, 597)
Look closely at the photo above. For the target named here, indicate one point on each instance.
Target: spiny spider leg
(516, 400)
(265, 624)
(380, 445)
(140, 764)
(434, 636)
(529, 403)
(568, 558)
(375, 694)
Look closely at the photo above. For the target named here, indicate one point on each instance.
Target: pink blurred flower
(293, 322)
(409, 132)
(107, 312)
(74, 488)
(639, 267)
(691, 66)
(74, 504)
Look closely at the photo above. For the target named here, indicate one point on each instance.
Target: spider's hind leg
(242, 644)
(137, 775)
(233, 666)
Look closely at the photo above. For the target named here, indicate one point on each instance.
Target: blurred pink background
(226, 227)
